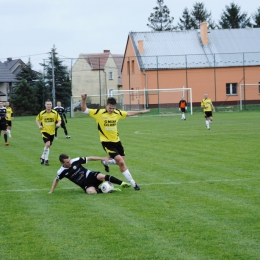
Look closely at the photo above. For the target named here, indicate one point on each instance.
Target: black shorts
(3, 126)
(113, 149)
(47, 137)
(8, 122)
(208, 114)
(183, 110)
(91, 181)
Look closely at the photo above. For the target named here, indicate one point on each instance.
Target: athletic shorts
(183, 110)
(91, 181)
(8, 122)
(47, 137)
(3, 126)
(113, 149)
(208, 114)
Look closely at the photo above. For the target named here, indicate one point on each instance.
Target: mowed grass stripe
(199, 197)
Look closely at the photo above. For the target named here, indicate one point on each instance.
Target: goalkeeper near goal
(107, 119)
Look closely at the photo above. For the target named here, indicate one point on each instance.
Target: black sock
(5, 137)
(112, 179)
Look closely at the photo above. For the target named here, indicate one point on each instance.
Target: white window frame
(231, 85)
(111, 75)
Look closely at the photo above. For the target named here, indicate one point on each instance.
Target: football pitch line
(145, 184)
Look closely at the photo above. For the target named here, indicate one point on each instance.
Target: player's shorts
(91, 181)
(8, 122)
(183, 110)
(113, 149)
(208, 114)
(3, 126)
(47, 137)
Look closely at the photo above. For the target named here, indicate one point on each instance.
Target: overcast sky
(29, 28)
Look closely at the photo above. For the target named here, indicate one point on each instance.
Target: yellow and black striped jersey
(107, 123)
(9, 113)
(207, 104)
(48, 121)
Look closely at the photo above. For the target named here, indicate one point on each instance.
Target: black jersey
(61, 112)
(76, 173)
(2, 115)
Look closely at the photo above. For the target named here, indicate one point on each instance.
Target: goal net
(248, 96)
(159, 101)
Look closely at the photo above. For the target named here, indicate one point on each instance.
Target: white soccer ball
(107, 187)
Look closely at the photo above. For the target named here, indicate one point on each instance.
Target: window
(133, 66)
(259, 87)
(231, 89)
(128, 67)
(110, 92)
(110, 75)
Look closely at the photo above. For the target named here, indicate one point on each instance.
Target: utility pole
(53, 78)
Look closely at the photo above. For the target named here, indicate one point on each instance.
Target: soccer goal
(161, 101)
(249, 97)
(165, 101)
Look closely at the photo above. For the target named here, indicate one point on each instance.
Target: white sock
(207, 123)
(45, 154)
(129, 177)
(8, 131)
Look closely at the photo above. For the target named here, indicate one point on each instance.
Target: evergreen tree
(160, 20)
(256, 18)
(24, 100)
(199, 14)
(62, 82)
(186, 22)
(232, 18)
(28, 74)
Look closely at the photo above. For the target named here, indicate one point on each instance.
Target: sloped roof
(98, 61)
(181, 49)
(5, 74)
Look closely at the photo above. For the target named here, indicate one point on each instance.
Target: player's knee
(91, 191)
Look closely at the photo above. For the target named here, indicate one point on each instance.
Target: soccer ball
(107, 187)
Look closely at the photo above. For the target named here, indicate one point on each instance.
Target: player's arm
(83, 102)
(38, 123)
(58, 121)
(213, 108)
(97, 158)
(54, 184)
(134, 113)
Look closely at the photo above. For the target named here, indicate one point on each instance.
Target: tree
(62, 84)
(256, 18)
(199, 14)
(28, 74)
(186, 22)
(232, 18)
(160, 20)
(24, 100)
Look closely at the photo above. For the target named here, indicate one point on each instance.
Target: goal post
(160, 101)
(241, 95)
(165, 100)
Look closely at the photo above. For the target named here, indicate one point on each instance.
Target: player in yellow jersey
(107, 119)
(47, 120)
(208, 107)
(9, 118)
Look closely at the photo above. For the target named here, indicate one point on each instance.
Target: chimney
(106, 51)
(9, 59)
(141, 46)
(204, 32)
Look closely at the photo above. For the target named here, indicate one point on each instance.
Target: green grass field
(199, 195)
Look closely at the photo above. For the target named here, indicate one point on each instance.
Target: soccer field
(199, 196)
